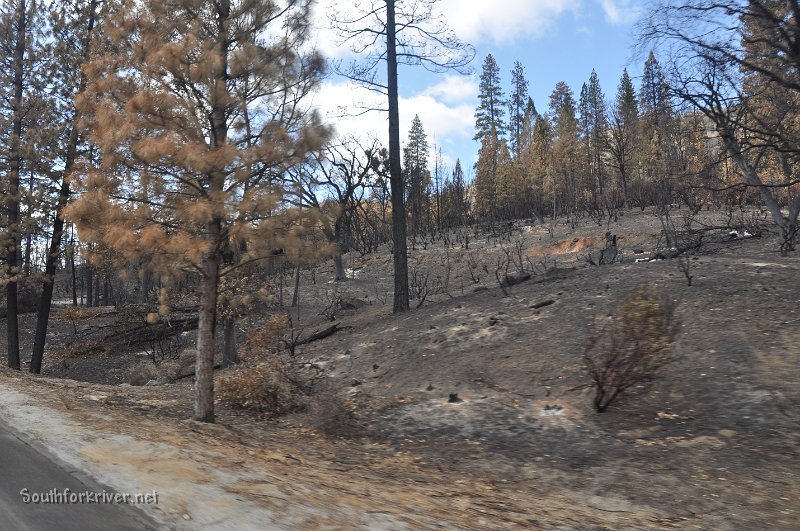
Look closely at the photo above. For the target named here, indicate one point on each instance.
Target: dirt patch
(569, 246)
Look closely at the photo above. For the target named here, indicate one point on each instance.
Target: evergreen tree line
(584, 156)
(590, 154)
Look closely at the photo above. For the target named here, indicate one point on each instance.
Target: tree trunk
(338, 263)
(74, 276)
(204, 364)
(296, 295)
(787, 225)
(12, 193)
(229, 347)
(145, 285)
(334, 237)
(401, 303)
(624, 177)
(89, 281)
(51, 263)
(26, 263)
(12, 328)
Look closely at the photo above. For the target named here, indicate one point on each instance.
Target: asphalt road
(22, 466)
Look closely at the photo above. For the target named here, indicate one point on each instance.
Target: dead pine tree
(397, 32)
(201, 103)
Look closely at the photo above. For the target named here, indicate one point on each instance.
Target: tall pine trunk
(26, 262)
(204, 364)
(53, 252)
(51, 264)
(12, 194)
(74, 275)
(395, 172)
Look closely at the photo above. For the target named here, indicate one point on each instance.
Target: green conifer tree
(416, 176)
(489, 116)
(565, 149)
(623, 133)
(519, 108)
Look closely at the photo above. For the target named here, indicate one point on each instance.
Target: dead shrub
(143, 372)
(140, 373)
(266, 340)
(169, 371)
(264, 385)
(187, 358)
(631, 345)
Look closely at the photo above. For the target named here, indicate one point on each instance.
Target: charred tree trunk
(51, 263)
(54, 249)
(786, 224)
(145, 285)
(338, 264)
(334, 235)
(296, 295)
(74, 275)
(229, 356)
(26, 263)
(12, 193)
(401, 301)
(89, 282)
(97, 277)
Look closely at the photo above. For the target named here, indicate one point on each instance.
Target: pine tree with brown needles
(197, 108)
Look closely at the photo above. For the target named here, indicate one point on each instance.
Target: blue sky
(555, 40)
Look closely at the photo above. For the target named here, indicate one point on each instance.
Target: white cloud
(503, 21)
(439, 119)
(446, 110)
(324, 37)
(621, 11)
(474, 21)
(340, 102)
(454, 89)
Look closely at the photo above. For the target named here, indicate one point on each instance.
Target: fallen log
(316, 336)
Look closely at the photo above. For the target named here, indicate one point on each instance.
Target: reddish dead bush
(266, 340)
(631, 345)
(264, 385)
